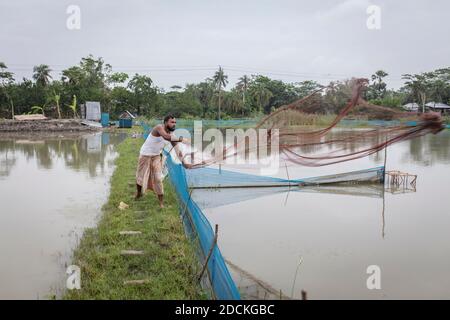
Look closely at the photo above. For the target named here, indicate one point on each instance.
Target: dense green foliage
(94, 80)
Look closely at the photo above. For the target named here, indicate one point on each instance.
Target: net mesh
(292, 138)
(216, 178)
(292, 142)
(215, 197)
(219, 277)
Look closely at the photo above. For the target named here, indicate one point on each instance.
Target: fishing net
(207, 198)
(203, 178)
(293, 138)
(199, 227)
(298, 146)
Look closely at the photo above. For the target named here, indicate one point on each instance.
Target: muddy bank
(45, 126)
(43, 135)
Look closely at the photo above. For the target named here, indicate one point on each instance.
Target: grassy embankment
(168, 265)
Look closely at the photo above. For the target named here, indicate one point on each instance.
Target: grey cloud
(289, 40)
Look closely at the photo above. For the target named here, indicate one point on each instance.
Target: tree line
(94, 80)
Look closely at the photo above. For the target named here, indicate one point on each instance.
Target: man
(149, 169)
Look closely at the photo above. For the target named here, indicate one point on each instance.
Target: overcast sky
(177, 42)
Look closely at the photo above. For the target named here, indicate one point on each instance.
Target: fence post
(213, 244)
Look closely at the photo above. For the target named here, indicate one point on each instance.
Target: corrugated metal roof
(411, 106)
(126, 114)
(438, 105)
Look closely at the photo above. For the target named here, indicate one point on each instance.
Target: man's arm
(180, 155)
(177, 149)
(166, 136)
(173, 140)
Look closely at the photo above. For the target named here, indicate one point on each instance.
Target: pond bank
(50, 125)
(167, 265)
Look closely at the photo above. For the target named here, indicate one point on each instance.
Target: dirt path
(47, 126)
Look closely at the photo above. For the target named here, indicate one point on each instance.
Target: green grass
(169, 263)
(446, 119)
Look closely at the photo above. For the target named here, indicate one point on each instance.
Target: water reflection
(7, 161)
(422, 150)
(51, 190)
(429, 149)
(339, 233)
(86, 152)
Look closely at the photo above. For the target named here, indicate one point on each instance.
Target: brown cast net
(295, 138)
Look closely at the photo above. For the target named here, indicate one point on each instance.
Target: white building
(438, 107)
(411, 107)
(91, 110)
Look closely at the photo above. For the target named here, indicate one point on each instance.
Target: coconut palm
(378, 84)
(73, 76)
(220, 80)
(242, 86)
(262, 96)
(419, 86)
(233, 102)
(41, 74)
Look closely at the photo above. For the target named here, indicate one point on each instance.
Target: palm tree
(262, 96)
(234, 102)
(379, 75)
(219, 80)
(73, 75)
(6, 79)
(379, 85)
(419, 87)
(41, 74)
(242, 86)
(205, 93)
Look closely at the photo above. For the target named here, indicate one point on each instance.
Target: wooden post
(287, 173)
(385, 161)
(185, 213)
(304, 295)
(213, 244)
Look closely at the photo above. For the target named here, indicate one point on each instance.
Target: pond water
(323, 241)
(51, 189)
(276, 241)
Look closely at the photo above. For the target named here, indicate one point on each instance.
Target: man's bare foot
(138, 192)
(161, 200)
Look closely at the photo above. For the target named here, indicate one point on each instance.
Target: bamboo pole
(213, 244)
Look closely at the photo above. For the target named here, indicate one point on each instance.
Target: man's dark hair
(168, 117)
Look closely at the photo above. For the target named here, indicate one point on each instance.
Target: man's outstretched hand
(187, 165)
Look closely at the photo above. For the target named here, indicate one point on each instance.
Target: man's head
(170, 122)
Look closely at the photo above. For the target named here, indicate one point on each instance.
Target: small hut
(439, 107)
(126, 119)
